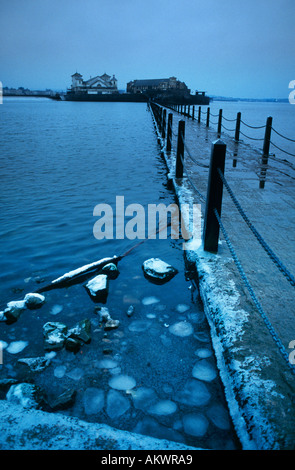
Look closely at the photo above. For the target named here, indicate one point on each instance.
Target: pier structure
(243, 262)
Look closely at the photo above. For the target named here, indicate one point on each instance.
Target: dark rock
(111, 270)
(130, 311)
(72, 344)
(81, 331)
(158, 271)
(111, 324)
(33, 301)
(63, 401)
(54, 335)
(27, 395)
(35, 364)
(14, 310)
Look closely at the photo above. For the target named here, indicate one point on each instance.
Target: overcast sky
(240, 48)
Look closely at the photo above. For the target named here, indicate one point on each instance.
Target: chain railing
(212, 219)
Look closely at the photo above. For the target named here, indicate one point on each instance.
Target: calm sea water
(256, 114)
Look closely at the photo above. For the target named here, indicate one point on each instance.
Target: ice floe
(93, 400)
(204, 370)
(56, 309)
(117, 404)
(122, 382)
(16, 347)
(194, 393)
(163, 407)
(150, 300)
(181, 329)
(195, 424)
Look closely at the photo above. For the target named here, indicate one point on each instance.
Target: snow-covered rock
(25, 394)
(54, 335)
(35, 364)
(98, 288)
(14, 309)
(158, 271)
(33, 300)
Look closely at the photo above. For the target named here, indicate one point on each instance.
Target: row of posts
(185, 111)
(215, 183)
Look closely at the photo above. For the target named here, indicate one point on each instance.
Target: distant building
(99, 85)
(154, 86)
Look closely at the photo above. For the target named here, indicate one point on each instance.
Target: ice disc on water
(122, 382)
(138, 326)
(117, 405)
(16, 346)
(195, 424)
(93, 400)
(163, 407)
(203, 370)
(194, 393)
(150, 300)
(181, 328)
(107, 364)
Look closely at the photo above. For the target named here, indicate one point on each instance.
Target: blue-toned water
(58, 161)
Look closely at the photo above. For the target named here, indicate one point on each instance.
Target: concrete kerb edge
(249, 418)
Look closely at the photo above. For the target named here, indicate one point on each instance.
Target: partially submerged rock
(63, 401)
(14, 310)
(34, 300)
(98, 288)
(35, 364)
(25, 394)
(111, 270)
(81, 331)
(158, 271)
(54, 335)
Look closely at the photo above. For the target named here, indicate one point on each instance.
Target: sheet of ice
(203, 353)
(107, 363)
(138, 326)
(181, 308)
(81, 270)
(93, 400)
(219, 416)
(163, 407)
(16, 346)
(150, 300)
(181, 329)
(75, 374)
(204, 370)
(195, 424)
(117, 404)
(194, 393)
(122, 382)
(56, 309)
(143, 397)
(59, 371)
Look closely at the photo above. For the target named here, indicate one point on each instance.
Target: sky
(232, 48)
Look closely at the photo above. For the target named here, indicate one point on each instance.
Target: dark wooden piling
(214, 197)
(180, 149)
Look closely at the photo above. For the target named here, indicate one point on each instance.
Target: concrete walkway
(258, 381)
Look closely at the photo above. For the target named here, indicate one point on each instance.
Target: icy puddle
(149, 366)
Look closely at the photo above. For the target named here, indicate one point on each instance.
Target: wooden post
(199, 114)
(193, 115)
(238, 125)
(208, 117)
(164, 123)
(265, 154)
(180, 150)
(169, 133)
(214, 197)
(219, 123)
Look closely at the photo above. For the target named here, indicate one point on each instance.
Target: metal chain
(253, 296)
(261, 240)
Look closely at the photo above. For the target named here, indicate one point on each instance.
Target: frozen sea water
(59, 371)
(117, 404)
(195, 424)
(181, 328)
(122, 382)
(16, 347)
(76, 374)
(203, 370)
(56, 309)
(93, 400)
(138, 326)
(219, 416)
(143, 397)
(194, 393)
(203, 353)
(181, 308)
(163, 407)
(107, 364)
(150, 300)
